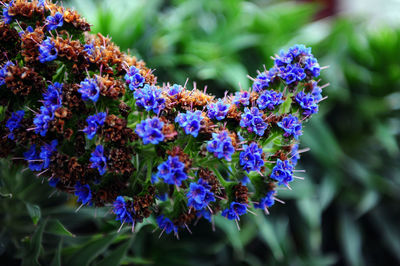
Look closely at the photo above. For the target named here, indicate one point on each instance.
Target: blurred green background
(345, 212)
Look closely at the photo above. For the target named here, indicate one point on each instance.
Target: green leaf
(35, 244)
(34, 212)
(117, 255)
(57, 228)
(57, 256)
(86, 254)
(268, 235)
(351, 240)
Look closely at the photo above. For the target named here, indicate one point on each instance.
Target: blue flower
(98, 160)
(172, 171)
(89, 89)
(299, 50)
(54, 182)
(242, 97)
(83, 192)
(89, 49)
(94, 122)
(14, 122)
(283, 59)
(307, 103)
(53, 22)
(291, 125)
(166, 224)
(269, 99)
(33, 159)
(3, 72)
(150, 130)
(294, 155)
(41, 3)
(43, 119)
(199, 195)
(7, 18)
(292, 73)
(262, 81)
(282, 172)
(47, 51)
(218, 110)
(134, 79)
(121, 210)
(53, 96)
(149, 98)
(316, 91)
(204, 213)
(221, 145)
(174, 90)
(46, 151)
(190, 122)
(251, 158)
(266, 201)
(234, 211)
(311, 66)
(253, 121)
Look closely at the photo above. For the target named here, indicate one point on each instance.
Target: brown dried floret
(21, 81)
(10, 43)
(22, 10)
(183, 157)
(30, 45)
(240, 193)
(115, 130)
(119, 160)
(185, 218)
(194, 98)
(212, 180)
(168, 129)
(70, 16)
(72, 98)
(111, 87)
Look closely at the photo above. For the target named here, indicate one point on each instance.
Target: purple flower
(234, 211)
(242, 97)
(172, 171)
(53, 22)
(269, 99)
(98, 160)
(218, 110)
(134, 79)
(199, 195)
(83, 192)
(174, 90)
(282, 172)
(47, 51)
(89, 89)
(266, 201)
(307, 103)
(150, 130)
(14, 122)
(166, 224)
(149, 98)
(251, 158)
(121, 210)
(253, 121)
(291, 125)
(221, 145)
(94, 122)
(3, 72)
(190, 122)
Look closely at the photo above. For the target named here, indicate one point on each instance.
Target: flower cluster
(106, 131)
(221, 145)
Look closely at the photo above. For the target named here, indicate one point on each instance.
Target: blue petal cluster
(134, 79)
(199, 195)
(235, 210)
(174, 90)
(307, 102)
(221, 145)
(150, 130)
(40, 160)
(172, 171)
(291, 125)
(54, 181)
(204, 213)
(190, 122)
(83, 192)
(251, 157)
(94, 122)
(253, 121)
(89, 89)
(166, 224)
(7, 18)
(242, 97)
(218, 110)
(53, 22)
(266, 201)
(269, 99)
(282, 172)
(89, 49)
(14, 122)
(52, 100)
(294, 155)
(98, 160)
(46, 151)
(120, 209)
(3, 72)
(149, 98)
(263, 80)
(47, 51)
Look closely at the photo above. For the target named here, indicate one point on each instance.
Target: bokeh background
(345, 212)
